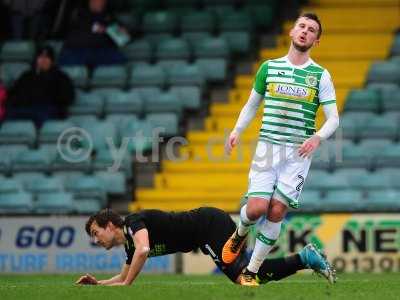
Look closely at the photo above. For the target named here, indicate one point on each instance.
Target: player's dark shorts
(217, 230)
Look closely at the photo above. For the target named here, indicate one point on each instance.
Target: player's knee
(277, 211)
(256, 208)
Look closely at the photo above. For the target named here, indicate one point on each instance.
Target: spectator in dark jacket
(87, 42)
(44, 92)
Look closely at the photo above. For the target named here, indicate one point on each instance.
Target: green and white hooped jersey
(292, 95)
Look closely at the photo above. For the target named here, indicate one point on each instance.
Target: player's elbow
(143, 251)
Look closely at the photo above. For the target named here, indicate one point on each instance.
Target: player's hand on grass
(231, 142)
(309, 146)
(87, 280)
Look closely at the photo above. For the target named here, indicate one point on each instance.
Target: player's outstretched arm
(142, 246)
(247, 114)
(89, 279)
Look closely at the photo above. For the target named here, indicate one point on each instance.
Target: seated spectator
(41, 93)
(87, 42)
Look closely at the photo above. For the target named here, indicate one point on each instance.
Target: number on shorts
(298, 187)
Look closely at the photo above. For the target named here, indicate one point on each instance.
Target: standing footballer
(292, 88)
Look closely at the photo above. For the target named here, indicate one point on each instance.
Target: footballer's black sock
(278, 268)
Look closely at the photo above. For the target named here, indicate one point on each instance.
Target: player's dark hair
(315, 18)
(103, 217)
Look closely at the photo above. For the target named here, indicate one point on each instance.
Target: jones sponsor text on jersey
(290, 91)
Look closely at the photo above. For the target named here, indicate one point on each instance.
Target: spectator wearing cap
(41, 93)
(87, 41)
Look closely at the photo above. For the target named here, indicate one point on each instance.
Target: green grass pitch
(180, 287)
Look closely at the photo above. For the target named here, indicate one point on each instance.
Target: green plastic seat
(384, 72)
(198, 21)
(395, 49)
(121, 120)
(147, 93)
(383, 201)
(159, 22)
(109, 76)
(189, 96)
(100, 132)
(87, 186)
(52, 130)
(142, 134)
(381, 126)
(186, 75)
(10, 186)
(124, 103)
(363, 100)
(128, 19)
(107, 161)
(173, 49)
(352, 123)
(389, 157)
(18, 132)
(167, 122)
(26, 179)
(262, 14)
(212, 48)
(54, 203)
(138, 50)
(11, 71)
(8, 153)
(17, 51)
(78, 74)
(45, 185)
(235, 21)
(87, 104)
(391, 99)
(114, 182)
(213, 69)
(165, 102)
(343, 201)
(195, 38)
(87, 206)
(147, 75)
(34, 160)
(16, 203)
(310, 201)
(238, 41)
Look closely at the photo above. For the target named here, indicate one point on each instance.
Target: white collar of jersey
(305, 65)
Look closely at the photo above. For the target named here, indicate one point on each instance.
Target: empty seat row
(350, 201)
(385, 71)
(374, 100)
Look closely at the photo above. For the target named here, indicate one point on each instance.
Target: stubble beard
(300, 48)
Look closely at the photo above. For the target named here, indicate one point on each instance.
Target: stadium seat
(52, 130)
(9, 72)
(16, 203)
(310, 201)
(395, 50)
(87, 186)
(154, 39)
(159, 22)
(78, 159)
(198, 21)
(105, 93)
(262, 14)
(174, 49)
(26, 179)
(10, 186)
(107, 160)
(87, 104)
(213, 69)
(140, 134)
(78, 74)
(42, 185)
(109, 76)
(388, 157)
(352, 123)
(87, 206)
(33, 160)
(383, 201)
(17, 51)
(238, 41)
(186, 75)
(138, 51)
(129, 20)
(385, 126)
(363, 100)
(120, 121)
(147, 75)
(67, 175)
(212, 48)
(166, 102)
(167, 122)
(54, 203)
(124, 103)
(391, 99)
(195, 38)
(384, 72)
(18, 132)
(343, 201)
(235, 21)
(323, 181)
(114, 182)
(100, 133)
(189, 96)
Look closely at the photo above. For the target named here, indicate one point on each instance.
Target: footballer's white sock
(245, 222)
(266, 238)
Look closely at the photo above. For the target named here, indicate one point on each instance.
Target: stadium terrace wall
(353, 242)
